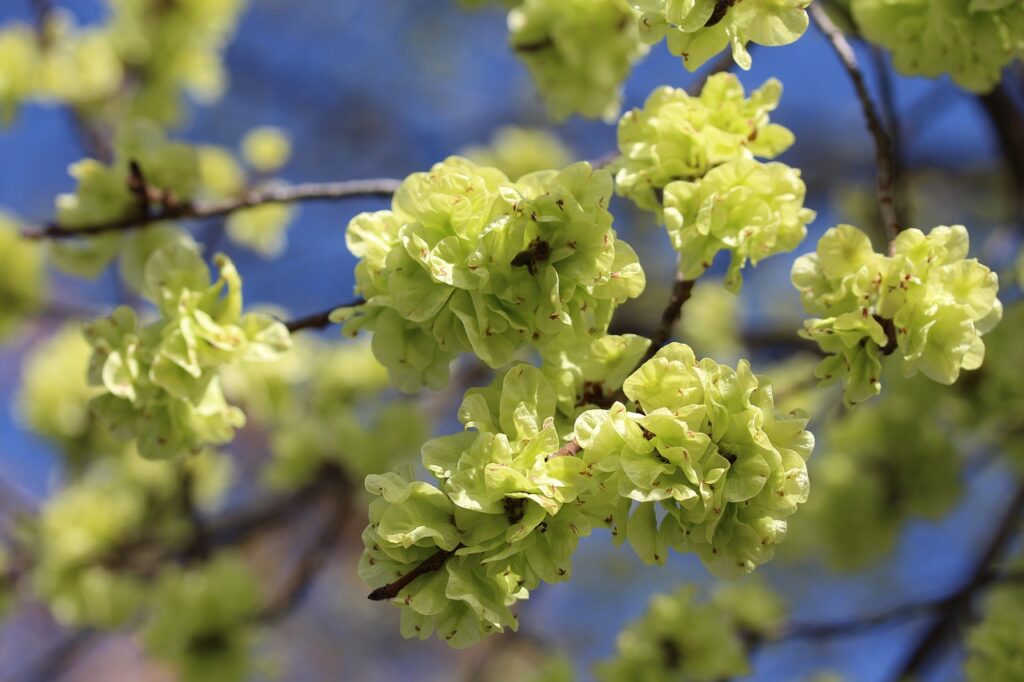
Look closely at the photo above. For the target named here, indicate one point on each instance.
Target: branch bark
(884, 163)
(324, 191)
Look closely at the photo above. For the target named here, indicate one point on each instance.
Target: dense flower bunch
(579, 52)
(927, 301)
(326, 404)
(697, 30)
(468, 261)
(705, 445)
(678, 136)
(160, 380)
(503, 517)
(970, 41)
(22, 277)
(681, 638)
(202, 620)
(519, 151)
(993, 645)
(88, 533)
(893, 461)
(750, 209)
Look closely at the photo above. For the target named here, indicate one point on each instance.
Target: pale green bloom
(969, 40)
(697, 30)
(925, 301)
(579, 52)
(705, 444)
(504, 513)
(468, 261)
(160, 380)
(751, 209)
(678, 136)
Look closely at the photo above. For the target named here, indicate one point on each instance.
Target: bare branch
(883, 144)
(682, 289)
(957, 605)
(432, 563)
(321, 319)
(324, 191)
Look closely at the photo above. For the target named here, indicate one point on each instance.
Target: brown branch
(1007, 121)
(321, 319)
(883, 144)
(432, 563)
(957, 605)
(325, 191)
(682, 289)
(570, 449)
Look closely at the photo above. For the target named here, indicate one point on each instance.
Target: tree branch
(432, 563)
(321, 319)
(682, 289)
(883, 144)
(957, 604)
(316, 555)
(1008, 124)
(325, 191)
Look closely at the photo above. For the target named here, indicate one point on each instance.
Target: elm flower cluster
(678, 136)
(704, 444)
(160, 380)
(579, 52)
(926, 301)
(468, 261)
(501, 517)
(971, 41)
(750, 209)
(697, 30)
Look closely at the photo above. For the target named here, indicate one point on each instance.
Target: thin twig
(883, 144)
(957, 604)
(432, 563)
(324, 191)
(321, 319)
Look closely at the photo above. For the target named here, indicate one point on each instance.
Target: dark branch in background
(325, 191)
(321, 319)
(957, 605)
(1008, 124)
(895, 614)
(295, 587)
(883, 144)
(53, 662)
